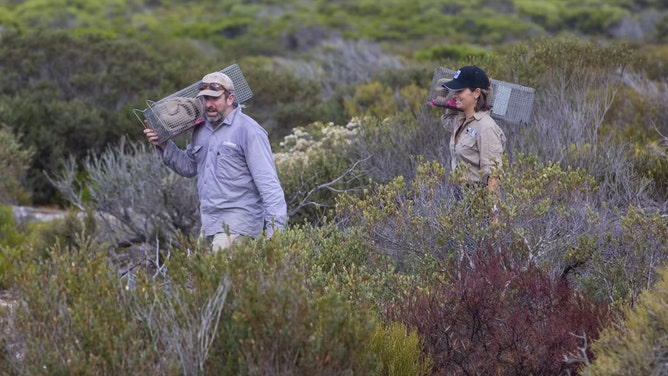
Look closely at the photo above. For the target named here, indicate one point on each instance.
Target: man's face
(217, 108)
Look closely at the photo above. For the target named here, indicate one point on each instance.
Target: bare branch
(329, 186)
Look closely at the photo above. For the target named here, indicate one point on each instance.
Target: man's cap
(219, 78)
(469, 76)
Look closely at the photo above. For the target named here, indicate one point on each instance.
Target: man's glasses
(215, 86)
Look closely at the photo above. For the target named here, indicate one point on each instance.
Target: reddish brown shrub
(491, 320)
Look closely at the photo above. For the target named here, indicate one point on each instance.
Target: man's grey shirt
(238, 187)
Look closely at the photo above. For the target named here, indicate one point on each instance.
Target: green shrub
(11, 239)
(10, 234)
(398, 351)
(72, 318)
(15, 161)
(448, 52)
(651, 162)
(313, 164)
(304, 302)
(536, 204)
(372, 99)
(296, 310)
(619, 257)
(637, 345)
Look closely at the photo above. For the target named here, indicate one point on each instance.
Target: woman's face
(466, 100)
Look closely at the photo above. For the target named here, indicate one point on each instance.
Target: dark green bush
(72, 95)
(15, 161)
(448, 52)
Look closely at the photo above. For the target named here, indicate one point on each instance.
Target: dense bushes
(636, 346)
(276, 307)
(395, 270)
(270, 28)
(69, 95)
(15, 161)
(490, 319)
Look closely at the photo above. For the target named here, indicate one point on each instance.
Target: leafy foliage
(15, 161)
(637, 344)
(540, 215)
(71, 319)
(303, 303)
(621, 255)
(412, 262)
(396, 351)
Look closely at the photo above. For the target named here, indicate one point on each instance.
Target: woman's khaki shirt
(476, 144)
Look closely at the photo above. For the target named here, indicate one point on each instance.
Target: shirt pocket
(230, 162)
(467, 149)
(466, 141)
(229, 150)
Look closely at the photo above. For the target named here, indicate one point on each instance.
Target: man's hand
(152, 136)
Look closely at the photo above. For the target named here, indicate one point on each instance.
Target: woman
(477, 143)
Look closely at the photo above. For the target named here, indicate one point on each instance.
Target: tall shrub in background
(73, 94)
(581, 89)
(15, 161)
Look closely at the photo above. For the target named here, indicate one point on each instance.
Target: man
(239, 190)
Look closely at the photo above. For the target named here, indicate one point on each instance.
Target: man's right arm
(180, 161)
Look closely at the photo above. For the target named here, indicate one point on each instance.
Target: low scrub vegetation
(387, 266)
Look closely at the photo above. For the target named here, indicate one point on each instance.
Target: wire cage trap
(511, 102)
(182, 110)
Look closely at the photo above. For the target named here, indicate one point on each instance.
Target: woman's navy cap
(470, 77)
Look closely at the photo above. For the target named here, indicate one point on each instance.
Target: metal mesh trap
(182, 110)
(511, 103)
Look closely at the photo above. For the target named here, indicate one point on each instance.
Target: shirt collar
(230, 118)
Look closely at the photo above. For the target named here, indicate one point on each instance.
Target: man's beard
(215, 120)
